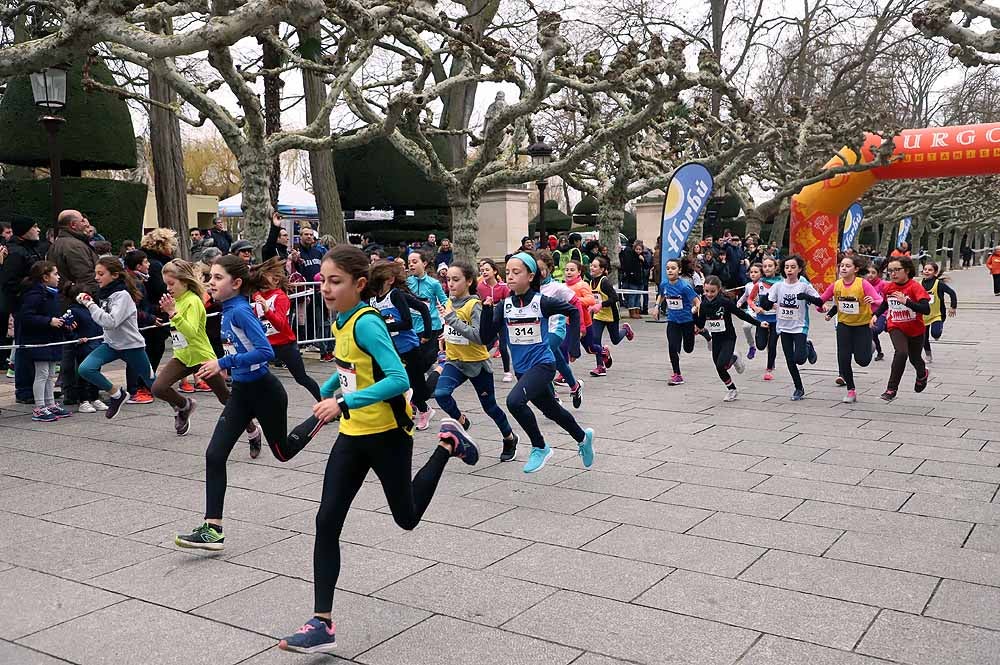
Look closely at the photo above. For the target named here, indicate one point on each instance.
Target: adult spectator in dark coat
(72, 253)
(221, 238)
(24, 249)
(445, 255)
(277, 240)
(632, 274)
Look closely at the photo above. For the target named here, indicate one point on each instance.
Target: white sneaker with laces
(86, 407)
(99, 405)
(731, 396)
(508, 377)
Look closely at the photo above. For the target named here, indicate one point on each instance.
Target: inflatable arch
(935, 152)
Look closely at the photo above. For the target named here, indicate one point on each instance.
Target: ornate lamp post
(48, 87)
(541, 154)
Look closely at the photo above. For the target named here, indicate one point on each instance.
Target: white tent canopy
(293, 201)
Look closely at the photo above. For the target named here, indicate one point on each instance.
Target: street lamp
(48, 87)
(541, 154)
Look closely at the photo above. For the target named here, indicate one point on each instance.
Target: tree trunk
(257, 207)
(610, 220)
(464, 226)
(271, 59)
(778, 228)
(324, 177)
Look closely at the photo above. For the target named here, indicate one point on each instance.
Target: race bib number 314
(524, 333)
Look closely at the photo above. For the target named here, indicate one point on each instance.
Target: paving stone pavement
(760, 532)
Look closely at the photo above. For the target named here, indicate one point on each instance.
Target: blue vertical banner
(687, 195)
(852, 224)
(904, 230)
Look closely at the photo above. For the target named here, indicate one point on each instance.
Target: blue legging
(535, 386)
(556, 344)
(615, 332)
(135, 359)
(452, 377)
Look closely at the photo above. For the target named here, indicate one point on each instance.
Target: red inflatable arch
(935, 152)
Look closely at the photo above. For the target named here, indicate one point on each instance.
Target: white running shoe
(99, 405)
(508, 377)
(86, 407)
(739, 365)
(731, 396)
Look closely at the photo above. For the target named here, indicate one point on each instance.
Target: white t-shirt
(792, 313)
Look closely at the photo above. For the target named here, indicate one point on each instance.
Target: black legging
(264, 399)
(535, 386)
(795, 346)
(390, 456)
(679, 335)
(290, 355)
(723, 356)
(504, 354)
(416, 366)
(933, 330)
(767, 337)
(853, 341)
(429, 349)
(905, 347)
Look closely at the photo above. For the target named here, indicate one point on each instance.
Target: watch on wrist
(345, 411)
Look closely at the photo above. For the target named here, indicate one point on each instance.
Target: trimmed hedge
(114, 207)
(97, 134)
(376, 176)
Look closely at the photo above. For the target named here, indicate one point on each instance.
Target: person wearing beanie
(24, 249)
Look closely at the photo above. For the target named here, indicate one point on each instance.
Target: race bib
(269, 328)
(452, 336)
(899, 311)
(849, 306)
(229, 348)
(178, 339)
(348, 379)
(787, 313)
(525, 333)
(931, 302)
(715, 326)
(675, 303)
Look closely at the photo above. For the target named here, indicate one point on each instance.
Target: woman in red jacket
(271, 304)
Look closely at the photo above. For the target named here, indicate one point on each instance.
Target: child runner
(375, 435)
(271, 305)
(122, 341)
(521, 321)
(937, 289)
(573, 271)
(904, 300)
(87, 335)
(789, 296)
(854, 299)
(490, 286)
(681, 301)
(41, 315)
(606, 315)
(767, 336)
(468, 359)
(557, 326)
(874, 277)
(256, 394)
(715, 316)
(746, 301)
(387, 280)
(428, 289)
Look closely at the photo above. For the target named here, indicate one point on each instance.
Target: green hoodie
(191, 345)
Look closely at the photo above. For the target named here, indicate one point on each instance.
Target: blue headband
(527, 260)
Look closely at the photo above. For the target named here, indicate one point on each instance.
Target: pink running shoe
(629, 333)
(675, 380)
(768, 375)
(424, 418)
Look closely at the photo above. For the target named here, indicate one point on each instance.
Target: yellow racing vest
(359, 370)
(852, 310)
(606, 313)
(457, 347)
(935, 293)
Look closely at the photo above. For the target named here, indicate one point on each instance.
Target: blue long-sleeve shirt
(429, 290)
(246, 345)
(371, 334)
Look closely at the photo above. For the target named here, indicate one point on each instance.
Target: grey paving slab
(110, 636)
(947, 439)
(984, 538)
(835, 443)
(471, 595)
(275, 656)
(893, 462)
(545, 527)
(853, 518)
(777, 450)
(241, 537)
(914, 482)
(280, 605)
(966, 603)
(463, 547)
(641, 634)
(32, 601)
(578, 570)
(677, 550)
(767, 533)
(952, 508)
(460, 643)
(459, 484)
(808, 427)
(948, 455)
(852, 495)
(704, 475)
(719, 460)
(824, 621)
(773, 650)
(646, 513)
(870, 585)
(615, 484)
(555, 499)
(16, 654)
(116, 516)
(959, 471)
(923, 641)
(40, 498)
(732, 501)
(180, 580)
(460, 511)
(810, 471)
(551, 475)
(919, 556)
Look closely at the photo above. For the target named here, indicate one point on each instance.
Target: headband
(527, 260)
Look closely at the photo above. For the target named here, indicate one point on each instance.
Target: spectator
(242, 249)
(199, 242)
(368, 244)
(6, 233)
(72, 253)
(445, 255)
(902, 250)
(160, 246)
(307, 259)
(631, 275)
(23, 250)
(430, 245)
(221, 238)
(277, 240)
(127, 246)
(966, 254)
(527, 244)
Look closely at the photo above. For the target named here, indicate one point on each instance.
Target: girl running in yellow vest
(606, 315)
(468, 358)
(376, 434)
(937, 289)
(854, 300)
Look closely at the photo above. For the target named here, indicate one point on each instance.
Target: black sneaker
(577, 395)
(509, 449)
(921, 382)
(255, 436)
(182, 418)
(811, 351)
(115, 403)
(205, 537)
(467, 425)
(888, 395)
(462, 445)
(879, 356)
